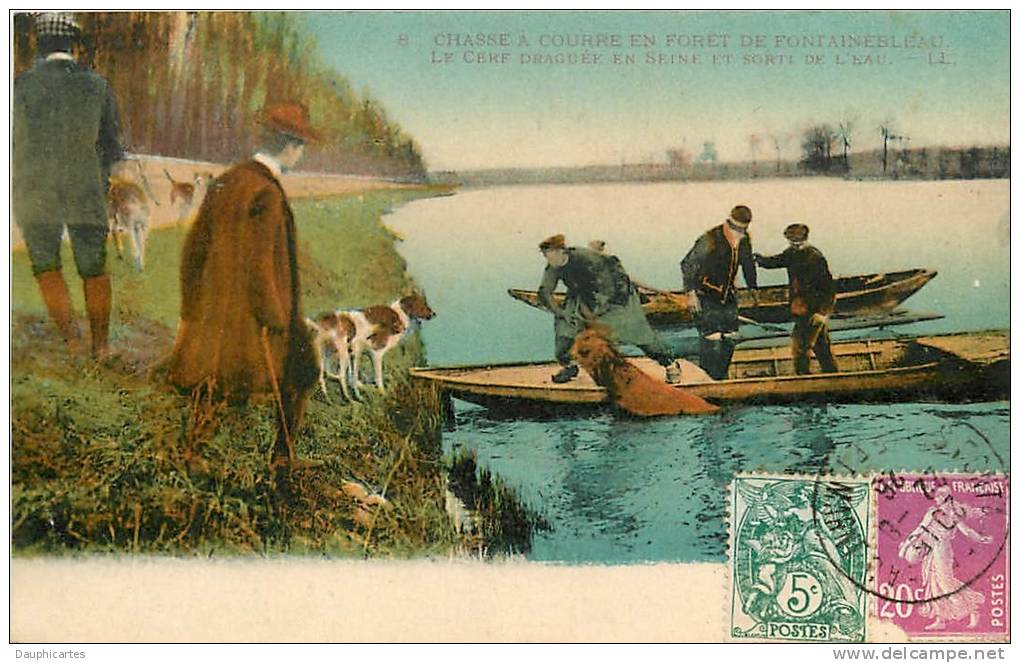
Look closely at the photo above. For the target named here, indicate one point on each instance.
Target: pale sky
(939, 78)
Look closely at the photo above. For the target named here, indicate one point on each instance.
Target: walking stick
(276, 392)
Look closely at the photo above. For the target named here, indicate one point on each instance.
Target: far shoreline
(791, 180)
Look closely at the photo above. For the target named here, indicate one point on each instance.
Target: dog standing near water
(376, 329)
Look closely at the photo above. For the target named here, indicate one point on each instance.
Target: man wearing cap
(242, 330)
(598, 290)
(65, 143)
(812, 298)
(709, 270)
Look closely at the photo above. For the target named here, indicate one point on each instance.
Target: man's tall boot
(98, 298)
(58, 303)
(711, 359)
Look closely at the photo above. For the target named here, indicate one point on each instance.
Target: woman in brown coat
(242, 330)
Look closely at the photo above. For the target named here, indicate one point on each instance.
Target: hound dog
(333, 334)
(186, 194)
(128, 210)
(376, 329)
(630, 388)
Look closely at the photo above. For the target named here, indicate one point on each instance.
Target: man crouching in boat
(598, 290)
(709, 269)
(812, 298)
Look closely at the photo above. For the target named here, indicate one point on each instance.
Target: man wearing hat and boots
(65, 142)
(598, 291)
(242, 330)
(812, 298)
(709, 270)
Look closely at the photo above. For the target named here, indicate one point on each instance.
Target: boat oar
(774, 328)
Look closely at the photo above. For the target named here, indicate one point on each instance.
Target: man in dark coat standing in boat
(709, 270)
(598, 291)
(812, 298)
(65, 142)
(242, 330)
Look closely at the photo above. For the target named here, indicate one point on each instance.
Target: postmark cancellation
(816, 559)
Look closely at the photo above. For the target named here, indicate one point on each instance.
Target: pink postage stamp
(943, 554)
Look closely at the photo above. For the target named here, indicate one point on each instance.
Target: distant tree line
(951, 163)
(190, 85)
(922, 163)
(825, 149)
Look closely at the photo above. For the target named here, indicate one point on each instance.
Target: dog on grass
(186, 194)
(630, 388)
(346, 335)
(128, 211)
(333, 336)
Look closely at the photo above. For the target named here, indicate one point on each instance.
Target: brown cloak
(239, 274)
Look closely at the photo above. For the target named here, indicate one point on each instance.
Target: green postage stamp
(798, 559)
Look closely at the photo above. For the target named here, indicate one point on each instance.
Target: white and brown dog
(376, 329)
(334, 336)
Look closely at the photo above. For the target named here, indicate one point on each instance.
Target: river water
(625, 491)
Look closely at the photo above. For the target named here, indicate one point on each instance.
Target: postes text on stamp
(942, 554)
(798, 558)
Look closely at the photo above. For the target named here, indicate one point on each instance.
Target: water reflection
(622, 490)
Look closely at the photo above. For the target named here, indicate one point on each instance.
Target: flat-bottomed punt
(863, 294)
(972, 366)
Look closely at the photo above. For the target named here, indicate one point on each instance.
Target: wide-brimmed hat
(796, 232)
(741, 214)
(290, 119)
(57, 24)
(554, 242)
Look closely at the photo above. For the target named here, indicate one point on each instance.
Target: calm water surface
(621, 491)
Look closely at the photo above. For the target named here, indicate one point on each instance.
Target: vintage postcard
(510, 326)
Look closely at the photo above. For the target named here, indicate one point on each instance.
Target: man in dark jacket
(64, 145)
(242, 328)
(812, 298)
(709, 270)
(598, 290)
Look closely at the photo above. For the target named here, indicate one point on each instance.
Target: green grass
(348, 260)
(107, 458)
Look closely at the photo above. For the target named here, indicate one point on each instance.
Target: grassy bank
(107, 458)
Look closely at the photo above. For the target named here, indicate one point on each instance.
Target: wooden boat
(969, 366)
(896, 318)
(863, 294)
